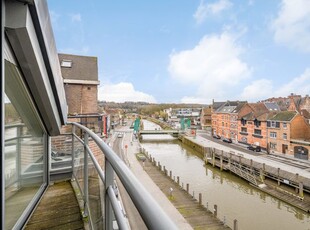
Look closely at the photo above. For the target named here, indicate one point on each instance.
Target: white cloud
(194, 100)
(292, 25)
(257, 90)
(263, 88)
(214, 66)
(76, 17)
(204, 10)
(122, 92)
(299, 85)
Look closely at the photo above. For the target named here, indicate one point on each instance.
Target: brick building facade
(80, 74)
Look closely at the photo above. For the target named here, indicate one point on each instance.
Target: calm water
(235, 198)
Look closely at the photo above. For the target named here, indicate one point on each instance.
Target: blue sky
(189, 51)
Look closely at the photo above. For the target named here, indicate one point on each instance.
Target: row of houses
(278, 125)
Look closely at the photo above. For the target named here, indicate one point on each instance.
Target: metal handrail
(152, 214)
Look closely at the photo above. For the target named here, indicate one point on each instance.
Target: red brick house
(252, 123)
(289, 133)
(225, 119)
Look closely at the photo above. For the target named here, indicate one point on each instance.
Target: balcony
(92, 166)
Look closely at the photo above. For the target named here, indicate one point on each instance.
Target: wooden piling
(278, 177)
(235, 225)
(170, 174)
(200, 198)
(178, 180)
(301, 189)
(221, 161)
(187, 188)
(215, 210)
(213, 157)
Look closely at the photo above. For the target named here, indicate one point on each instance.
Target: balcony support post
(72, 149)
(109, 177)
(85, 214)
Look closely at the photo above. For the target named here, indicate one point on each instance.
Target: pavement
(133, 147)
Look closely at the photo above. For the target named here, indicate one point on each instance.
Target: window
(273, 135)
(257, 131)
(243, 122)
(244, 130)
(66, 63)
(284, 125)
(273, 145)
(257, 123)
(273, 124)
(284, 136)
(25, 147)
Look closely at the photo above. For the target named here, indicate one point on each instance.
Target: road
(133, 215)
(301, 164)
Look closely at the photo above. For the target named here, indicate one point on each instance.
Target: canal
(234, 197)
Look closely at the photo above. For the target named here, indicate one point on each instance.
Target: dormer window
(66, 63)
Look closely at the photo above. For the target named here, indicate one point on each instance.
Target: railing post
(72, 148)
(109, 177)
(85, 175)
(19, 134)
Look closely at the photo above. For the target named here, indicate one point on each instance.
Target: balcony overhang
(30, 35)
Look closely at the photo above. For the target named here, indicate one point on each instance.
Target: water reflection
(235, 198)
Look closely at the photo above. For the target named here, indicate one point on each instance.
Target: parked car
(227, 140)
(255, 148)
(216, 136)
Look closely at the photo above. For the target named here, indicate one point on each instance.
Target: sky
(189, 51)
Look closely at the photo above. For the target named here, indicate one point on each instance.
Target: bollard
(178, 180)
(187, 188)
(200, 198)
(215, 210)
(235, 225)
(193, 194)
(182, 185)
(170, 174)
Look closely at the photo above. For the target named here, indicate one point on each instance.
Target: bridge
(174, 133)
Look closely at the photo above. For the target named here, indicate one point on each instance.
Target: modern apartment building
(33, 107)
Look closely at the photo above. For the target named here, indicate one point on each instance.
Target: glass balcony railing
(95, 167)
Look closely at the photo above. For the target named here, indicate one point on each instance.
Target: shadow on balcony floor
(58, 209)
